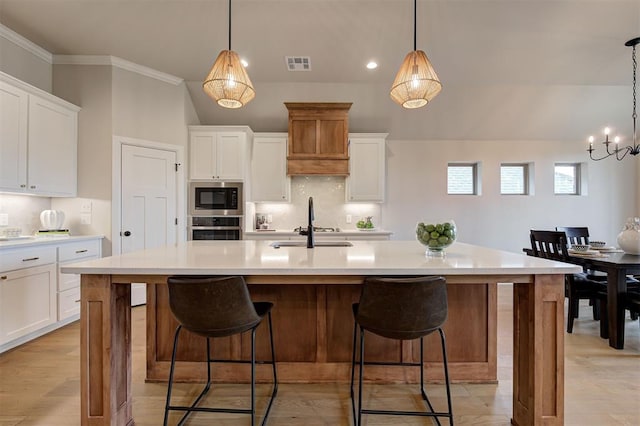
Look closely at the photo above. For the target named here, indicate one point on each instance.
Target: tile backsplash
(24, 211)
(329, 204)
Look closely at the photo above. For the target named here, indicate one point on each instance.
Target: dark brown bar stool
(217, 307)
(401, 309)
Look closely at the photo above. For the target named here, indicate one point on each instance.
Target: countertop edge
(39, 241)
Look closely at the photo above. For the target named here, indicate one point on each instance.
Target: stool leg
(360, 378)
(353, 371)
(446, 374)
(422, 391)
(170, 384)
(275, 374)
(253, 376)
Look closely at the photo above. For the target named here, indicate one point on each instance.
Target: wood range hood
(318, 139)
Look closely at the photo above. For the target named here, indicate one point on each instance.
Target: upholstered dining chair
(401, 309)
(217, 307)
(553, 245)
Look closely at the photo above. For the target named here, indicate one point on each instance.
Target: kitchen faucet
(309, 231)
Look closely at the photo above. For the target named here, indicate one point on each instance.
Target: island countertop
(362, 258)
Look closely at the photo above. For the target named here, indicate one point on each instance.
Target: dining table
(617, 265)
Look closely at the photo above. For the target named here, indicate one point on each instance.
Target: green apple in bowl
(436, 236)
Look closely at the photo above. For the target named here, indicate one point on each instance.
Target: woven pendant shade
(416, 83)
(228, 83)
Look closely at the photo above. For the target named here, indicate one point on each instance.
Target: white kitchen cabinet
(38, 141)
(68, 290)
(35, 297)
(269, 180)
(366, 168)
(218, 152)
(27, 292)
(14, 107)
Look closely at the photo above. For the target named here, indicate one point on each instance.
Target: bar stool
(401, 309)
(217, 307)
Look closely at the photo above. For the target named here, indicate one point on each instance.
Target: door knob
(127, 233)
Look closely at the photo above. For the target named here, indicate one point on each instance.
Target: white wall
(90, 88)
(24, 65)
(417, 186)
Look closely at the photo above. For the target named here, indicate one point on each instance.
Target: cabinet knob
(4, 277)
(126, 233)
(23, 186)
(32, 187)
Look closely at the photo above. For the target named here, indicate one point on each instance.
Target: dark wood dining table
(617, 266)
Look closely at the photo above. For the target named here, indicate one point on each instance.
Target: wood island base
(313, 329)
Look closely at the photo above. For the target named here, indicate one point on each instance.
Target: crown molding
(116, 62)
(28, 45)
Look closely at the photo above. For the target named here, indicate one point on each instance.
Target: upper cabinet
(218, 152)
(318, 139)
(367, 167)
(38, 141)
(269, 180)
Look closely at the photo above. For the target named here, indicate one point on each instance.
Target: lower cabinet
(27, 294)
(69, 284)
(35, 297)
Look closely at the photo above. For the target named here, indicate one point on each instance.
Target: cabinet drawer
(68, 303)
(78, 250)
(67, 281)
(26, 257)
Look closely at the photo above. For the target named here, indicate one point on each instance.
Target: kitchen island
(312, 290)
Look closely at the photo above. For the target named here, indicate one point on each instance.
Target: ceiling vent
(298, 63)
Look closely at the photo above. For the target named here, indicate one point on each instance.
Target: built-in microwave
(215, 198)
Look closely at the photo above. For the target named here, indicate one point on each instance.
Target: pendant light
(228, 82)
(416, 83)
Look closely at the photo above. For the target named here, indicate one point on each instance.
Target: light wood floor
(39, 385)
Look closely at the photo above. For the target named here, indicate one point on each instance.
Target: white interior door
(148, 203)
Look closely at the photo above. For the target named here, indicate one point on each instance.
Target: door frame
(116, 187)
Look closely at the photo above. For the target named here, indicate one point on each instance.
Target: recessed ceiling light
(372, 65)
(244, 63)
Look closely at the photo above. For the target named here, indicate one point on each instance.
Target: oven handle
(216, 228)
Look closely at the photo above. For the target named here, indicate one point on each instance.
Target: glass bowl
(436, 236)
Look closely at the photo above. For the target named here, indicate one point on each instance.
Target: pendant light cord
(415, 20)
(229, 24)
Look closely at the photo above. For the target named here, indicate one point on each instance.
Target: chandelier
(634, 149)
(416, 83)
(228, 82)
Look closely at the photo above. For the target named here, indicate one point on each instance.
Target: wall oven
(215, 198)
(215, 228)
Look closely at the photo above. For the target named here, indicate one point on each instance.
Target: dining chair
(217, 307)
(553, 245)
(400, 309)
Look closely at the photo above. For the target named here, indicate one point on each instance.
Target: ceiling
(470, 43)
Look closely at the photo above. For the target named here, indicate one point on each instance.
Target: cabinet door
(230, 156)
(202, 149)
(27, 301)
(13, 138)
(367, 170)
(269, 181)
(52, 148)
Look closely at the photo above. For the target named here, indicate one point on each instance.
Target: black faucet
(309, 231)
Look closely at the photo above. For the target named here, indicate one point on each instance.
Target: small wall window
(462, 179)
(514, 179)
(566, 179)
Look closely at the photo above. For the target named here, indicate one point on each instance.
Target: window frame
(475, 168)
(577, 167)
(526, 178)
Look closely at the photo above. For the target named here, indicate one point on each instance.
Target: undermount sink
(293, 243)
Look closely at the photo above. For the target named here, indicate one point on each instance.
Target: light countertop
(37, 241)
(253, 257)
